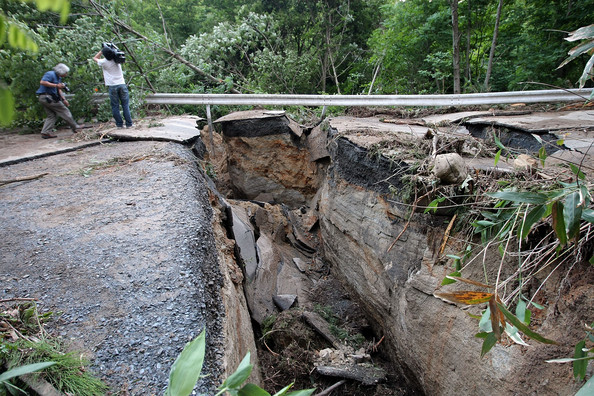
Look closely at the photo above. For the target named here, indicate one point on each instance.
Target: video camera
(111, 52)
(65, 89)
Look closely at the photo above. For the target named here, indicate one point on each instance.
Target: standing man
(53, 101)
(114, 80)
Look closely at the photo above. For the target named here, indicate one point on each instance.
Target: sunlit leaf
(568, 360)
(585, 32)
(187, 367)
(497, 156)
(522, 327)
(304, 392)
(588, 388)
(542, 155)
(433, 204)
(240, 375)
(485, 322)
(6, 106)
(448, 280)
(252, 390)
(520, 196)
(467, 297)
(559, 223)
(498, 142)
(586, 75)
(522, 311)
(580, 366)
(512, 333)
(26, 369)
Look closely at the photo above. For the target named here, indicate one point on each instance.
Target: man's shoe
(48, 136)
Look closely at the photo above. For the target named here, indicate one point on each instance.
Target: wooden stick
(20, 179)
(329, 390)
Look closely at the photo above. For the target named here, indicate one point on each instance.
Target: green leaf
(537, 306)
(542, 155)
(488, 343)
(585, 32)
(586, 75)
(520, 196)
(576, 171)
(2, 30)
(26, 369)
(522, 327)
(6, 106)
(187, 367)
(580, 366)
(497, 156)
(588, 215)
(252, 390)
(568, 360)
(433, 204)
(240, 375)
(587, 389)
(532, 218)
(572, 214)
(449, 281)
(498, 142)
(522, 312)
(304, 392)
(485, 322)
(559, 223)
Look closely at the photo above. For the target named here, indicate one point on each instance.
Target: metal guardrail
(490, 98)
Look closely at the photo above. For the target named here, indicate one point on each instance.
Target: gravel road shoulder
(117, 239)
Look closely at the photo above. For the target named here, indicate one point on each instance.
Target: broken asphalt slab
(15, 148)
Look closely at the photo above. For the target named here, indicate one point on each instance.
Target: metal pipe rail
(490, 98)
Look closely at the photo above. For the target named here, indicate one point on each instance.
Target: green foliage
(188, 365)
(6, 376)
(582, 355)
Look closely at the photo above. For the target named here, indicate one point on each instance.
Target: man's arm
(51, 84)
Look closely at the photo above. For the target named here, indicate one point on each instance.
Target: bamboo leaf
(587, 389)
(522, 327)
(240, 375)
(520, 196)
(457, 277)
(498, 142)
(448, 280)
(588, 215)
(496, 318)
(488, 343)
(586, 75)
(187, 367)
(497, 156)
(532, 218)
(304, 392)
(467, 297)
(585, 32)
(576, 171)
(580, 366)
(568, 360)
(433, 204)
(572, 214)
(559, 223)
(252, 390)
(522, 312)
(26, 369)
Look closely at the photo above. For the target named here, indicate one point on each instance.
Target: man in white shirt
(114, 80)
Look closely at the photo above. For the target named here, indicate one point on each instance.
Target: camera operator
(114, 80)
(53, 101)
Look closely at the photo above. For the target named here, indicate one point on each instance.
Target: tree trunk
(493, 44)
(456, 45)
(468, 74)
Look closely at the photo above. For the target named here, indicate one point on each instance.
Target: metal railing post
(210, 128)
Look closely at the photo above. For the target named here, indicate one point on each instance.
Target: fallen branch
(20, 179)
(329, 390)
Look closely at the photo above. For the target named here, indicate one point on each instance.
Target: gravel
(116, 240)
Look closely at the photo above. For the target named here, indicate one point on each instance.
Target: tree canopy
(291, 46)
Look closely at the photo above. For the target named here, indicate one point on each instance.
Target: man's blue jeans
(119, 94)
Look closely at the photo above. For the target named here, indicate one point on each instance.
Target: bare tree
(493, 44)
